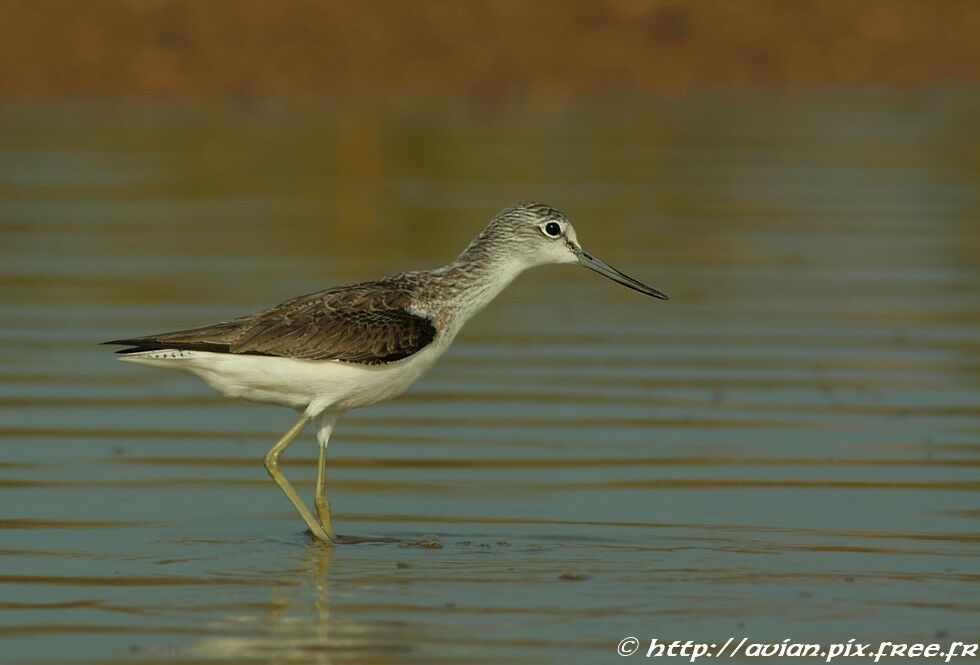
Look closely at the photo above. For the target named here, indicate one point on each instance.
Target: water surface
(787, 448)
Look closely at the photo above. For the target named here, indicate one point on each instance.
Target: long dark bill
(603, 268)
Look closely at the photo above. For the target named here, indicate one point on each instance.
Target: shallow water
(788, 448)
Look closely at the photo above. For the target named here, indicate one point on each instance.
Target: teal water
(788, 448)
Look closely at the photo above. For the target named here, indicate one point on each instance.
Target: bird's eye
(552, 229)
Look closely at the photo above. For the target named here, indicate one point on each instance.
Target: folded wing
(367, 324)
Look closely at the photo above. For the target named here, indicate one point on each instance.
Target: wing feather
(365, 323)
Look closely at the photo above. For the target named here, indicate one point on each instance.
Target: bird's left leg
(327, 422)
(272, 466)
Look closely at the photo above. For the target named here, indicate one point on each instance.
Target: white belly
(311, 385)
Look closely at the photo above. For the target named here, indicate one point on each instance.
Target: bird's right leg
(327, 422)
(272, 466)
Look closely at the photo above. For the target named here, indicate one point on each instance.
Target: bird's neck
(475, 278)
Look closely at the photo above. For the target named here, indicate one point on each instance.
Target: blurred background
(787, 448)
(503, 52)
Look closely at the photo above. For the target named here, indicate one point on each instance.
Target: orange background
(550, 51)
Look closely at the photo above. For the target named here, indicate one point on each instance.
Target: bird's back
(367, 323)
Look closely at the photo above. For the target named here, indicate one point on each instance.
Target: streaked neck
(475, 278)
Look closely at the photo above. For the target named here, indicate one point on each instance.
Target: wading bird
(332, 351)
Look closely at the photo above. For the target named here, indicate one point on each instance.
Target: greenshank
(328, 352)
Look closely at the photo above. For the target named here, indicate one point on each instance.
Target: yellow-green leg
(320, 499)
(272, 466)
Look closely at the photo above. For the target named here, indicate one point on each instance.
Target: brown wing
(367, 323)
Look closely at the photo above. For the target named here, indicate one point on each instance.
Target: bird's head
(539, 234)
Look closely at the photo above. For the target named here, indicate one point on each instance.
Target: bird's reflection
(298, 622)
